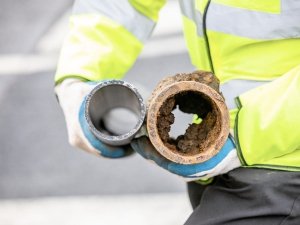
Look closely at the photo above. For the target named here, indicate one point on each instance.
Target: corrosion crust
(198, 138)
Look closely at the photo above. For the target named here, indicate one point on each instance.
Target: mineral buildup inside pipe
(195, 93)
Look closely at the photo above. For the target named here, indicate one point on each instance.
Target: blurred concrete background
(42, 179)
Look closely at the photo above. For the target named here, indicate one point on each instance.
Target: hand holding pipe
(197, 93)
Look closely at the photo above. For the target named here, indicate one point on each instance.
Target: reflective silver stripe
(188, 9)
(254, 24)
(120, 11)
(235, 88)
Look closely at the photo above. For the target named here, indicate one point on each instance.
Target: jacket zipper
(206, 37)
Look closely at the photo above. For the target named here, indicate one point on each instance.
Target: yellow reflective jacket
(252, 46)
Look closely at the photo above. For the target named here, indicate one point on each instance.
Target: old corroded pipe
(114, 95)
(194, 93)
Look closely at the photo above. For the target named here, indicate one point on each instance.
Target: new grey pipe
(108, 96)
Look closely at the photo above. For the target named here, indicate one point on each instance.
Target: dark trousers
(247, 197)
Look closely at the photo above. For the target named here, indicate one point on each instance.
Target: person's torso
(253, 40)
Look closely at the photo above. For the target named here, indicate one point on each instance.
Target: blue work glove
(225, 160)
(72, 94)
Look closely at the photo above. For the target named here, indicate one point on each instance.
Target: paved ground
(35, 158)
(150, 209)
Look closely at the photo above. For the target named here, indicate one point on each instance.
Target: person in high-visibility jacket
(253, 47)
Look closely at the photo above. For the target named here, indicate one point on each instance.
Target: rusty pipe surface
(194, 93)
(110, 96)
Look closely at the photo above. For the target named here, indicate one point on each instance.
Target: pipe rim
(172, 90)
(115, 140)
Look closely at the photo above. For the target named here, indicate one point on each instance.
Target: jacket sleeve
(106, 37)
(267, 127)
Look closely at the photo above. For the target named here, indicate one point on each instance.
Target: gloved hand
(226, 160)
(71, 94)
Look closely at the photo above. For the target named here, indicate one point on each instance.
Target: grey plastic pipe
(104, 101)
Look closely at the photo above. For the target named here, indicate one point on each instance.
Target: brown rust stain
(197, 137)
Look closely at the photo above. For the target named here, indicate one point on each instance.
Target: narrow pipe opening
(181, 123)
(197, 137)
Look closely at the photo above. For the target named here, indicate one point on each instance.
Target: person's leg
(195, 191)
(247, 196)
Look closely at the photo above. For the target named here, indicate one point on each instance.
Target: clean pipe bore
(194, 93)
(109, 96)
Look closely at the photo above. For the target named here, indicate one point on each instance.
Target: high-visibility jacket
(253, 47)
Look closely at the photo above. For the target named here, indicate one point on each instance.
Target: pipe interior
(197, 137)
(115, 109)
